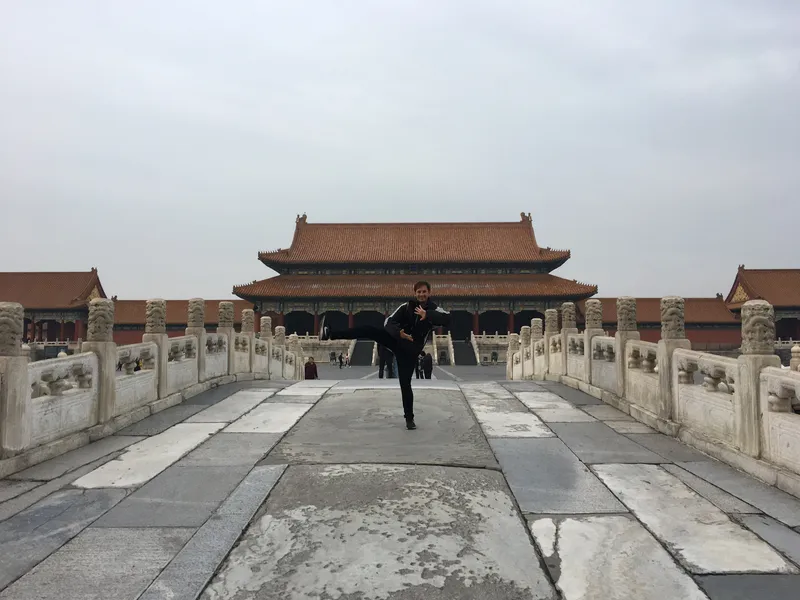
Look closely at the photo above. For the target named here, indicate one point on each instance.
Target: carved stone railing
(604, 368)
(641, 377)
(240, 357)
(539, 358)
(181, 363)
(137, 383)
(63, 393)
(780, 425)
(216, 355)
(260, 356)
(706, 407)
(642, 356)
(576, 365)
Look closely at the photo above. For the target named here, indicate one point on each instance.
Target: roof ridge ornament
(525, 217)
(301, 220)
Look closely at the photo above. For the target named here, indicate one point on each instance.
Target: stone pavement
(507, 490)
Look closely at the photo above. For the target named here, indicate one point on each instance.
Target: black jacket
(405, 319)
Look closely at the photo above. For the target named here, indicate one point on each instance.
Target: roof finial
(301, 219)
(525, 217)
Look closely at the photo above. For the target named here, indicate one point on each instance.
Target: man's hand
(421, 312)
(405, 336)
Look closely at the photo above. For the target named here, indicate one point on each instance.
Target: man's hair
(420, 284)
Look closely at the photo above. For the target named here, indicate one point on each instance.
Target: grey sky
(167, 143)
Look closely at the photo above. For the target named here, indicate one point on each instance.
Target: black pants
(428, 372)
(386, 362)
(406, 358)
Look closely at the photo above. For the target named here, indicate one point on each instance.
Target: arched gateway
(492, 277)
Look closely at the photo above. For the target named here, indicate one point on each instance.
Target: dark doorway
(524, 317)
(493, 321)
(460, 324)
(299, 322)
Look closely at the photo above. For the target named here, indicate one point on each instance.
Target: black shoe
(324, 332)
(410, 424)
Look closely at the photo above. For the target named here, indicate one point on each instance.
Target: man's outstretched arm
(439, 317)
(394, 322)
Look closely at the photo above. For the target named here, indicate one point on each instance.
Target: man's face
(422, 294)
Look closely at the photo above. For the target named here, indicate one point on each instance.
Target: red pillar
(78, 329)
(279, 319)
(61, 332)
(350, 320)
(476, 323)
(31, 330)
(316, 323)
(511, 322)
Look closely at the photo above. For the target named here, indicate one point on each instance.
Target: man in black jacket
(404, 332)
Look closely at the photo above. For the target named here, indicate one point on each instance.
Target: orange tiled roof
(50, 290)
(779, 287)
(400, 286)
(414, 243)
(132, 312)
(648, 310)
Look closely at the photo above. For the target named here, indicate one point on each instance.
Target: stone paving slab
(33, 534)
(700, 535)
(630, 427)
(523, 386)
(56, 467)
(573, 396)
(610, 558)
(161, 421)
(178, 497)
(189, 572)
(269, 418)
(219, 393)
(607, 413)
(776, 534)
(385, 532)
(546, 478)
(504, 416)
(719, 498)
(368, 426)
(12, 489)
(232, 407)
(101, 564)
(750, 587)
(552, 409)
(774, 502)
(231, 449)
(29, 498)
(146, 459)
(598, 443)
(380, 384)
(294, 399)
(671, 449)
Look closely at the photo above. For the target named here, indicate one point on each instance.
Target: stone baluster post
(569, 324)
(513, 348)
(196, 326)
(758, 351)
(266, 337)
(249, 329)
(626, 330)
(15, 409)
(594, 328)
(100, 340)
(794, 363)
(673, 336)
(537, 333)
(155, 330)
(280, 336)
(225, 327)
(526, 353)
(294, 346)
(550, 331)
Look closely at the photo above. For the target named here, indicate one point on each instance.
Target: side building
(492, 277)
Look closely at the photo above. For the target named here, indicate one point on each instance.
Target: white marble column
(15, 416)
(626, 330)
(594, 328)
(100, 340)
(673, 336)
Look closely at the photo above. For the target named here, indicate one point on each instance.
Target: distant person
(341, 357)
(427, 365)
(311, 369)
(405, 333)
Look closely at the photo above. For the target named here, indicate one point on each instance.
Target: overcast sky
(167, 142)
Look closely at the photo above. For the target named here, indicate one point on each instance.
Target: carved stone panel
(626, 313)
(525, 336)
(101, 320)
(594, 314)
(225, 318)
(266, 328)
(568, 319)
(758, 327)
(537, 332)
(197, 313)
(248, 321)
(551, 320)
(155, 316)
(672, 318)
(12, 318)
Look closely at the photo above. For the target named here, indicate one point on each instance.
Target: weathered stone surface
(610, 558)
(672, 318)
(607, 413)
(551, 320)
(146, 459)
(750, 587)
(189, 572)
(552, 409)
(232, 407)
(12, 319)
(500, 414)
(597, 443)
(32, 535)
(626, 313)
(155, 316)
(777, 504)
(101, 320)
(776, 534)
(546, 478)
(568, 318)
(12, 489)
(231, 449)
(432, 532)
(758, 327)
(368, 426)
(594, 314)
(537, 329)
(248, 321)
(101, 564)
(56, 467)
(178, 497)
(630, 427)
(571, 395)
(523, 386)
(700, 535)
(269, 418)
(671, 449)
(197, 313)
(161, 421)
(722, 500)
(225, 317)
(266, 328)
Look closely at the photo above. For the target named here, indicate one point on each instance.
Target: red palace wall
(701, 338)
